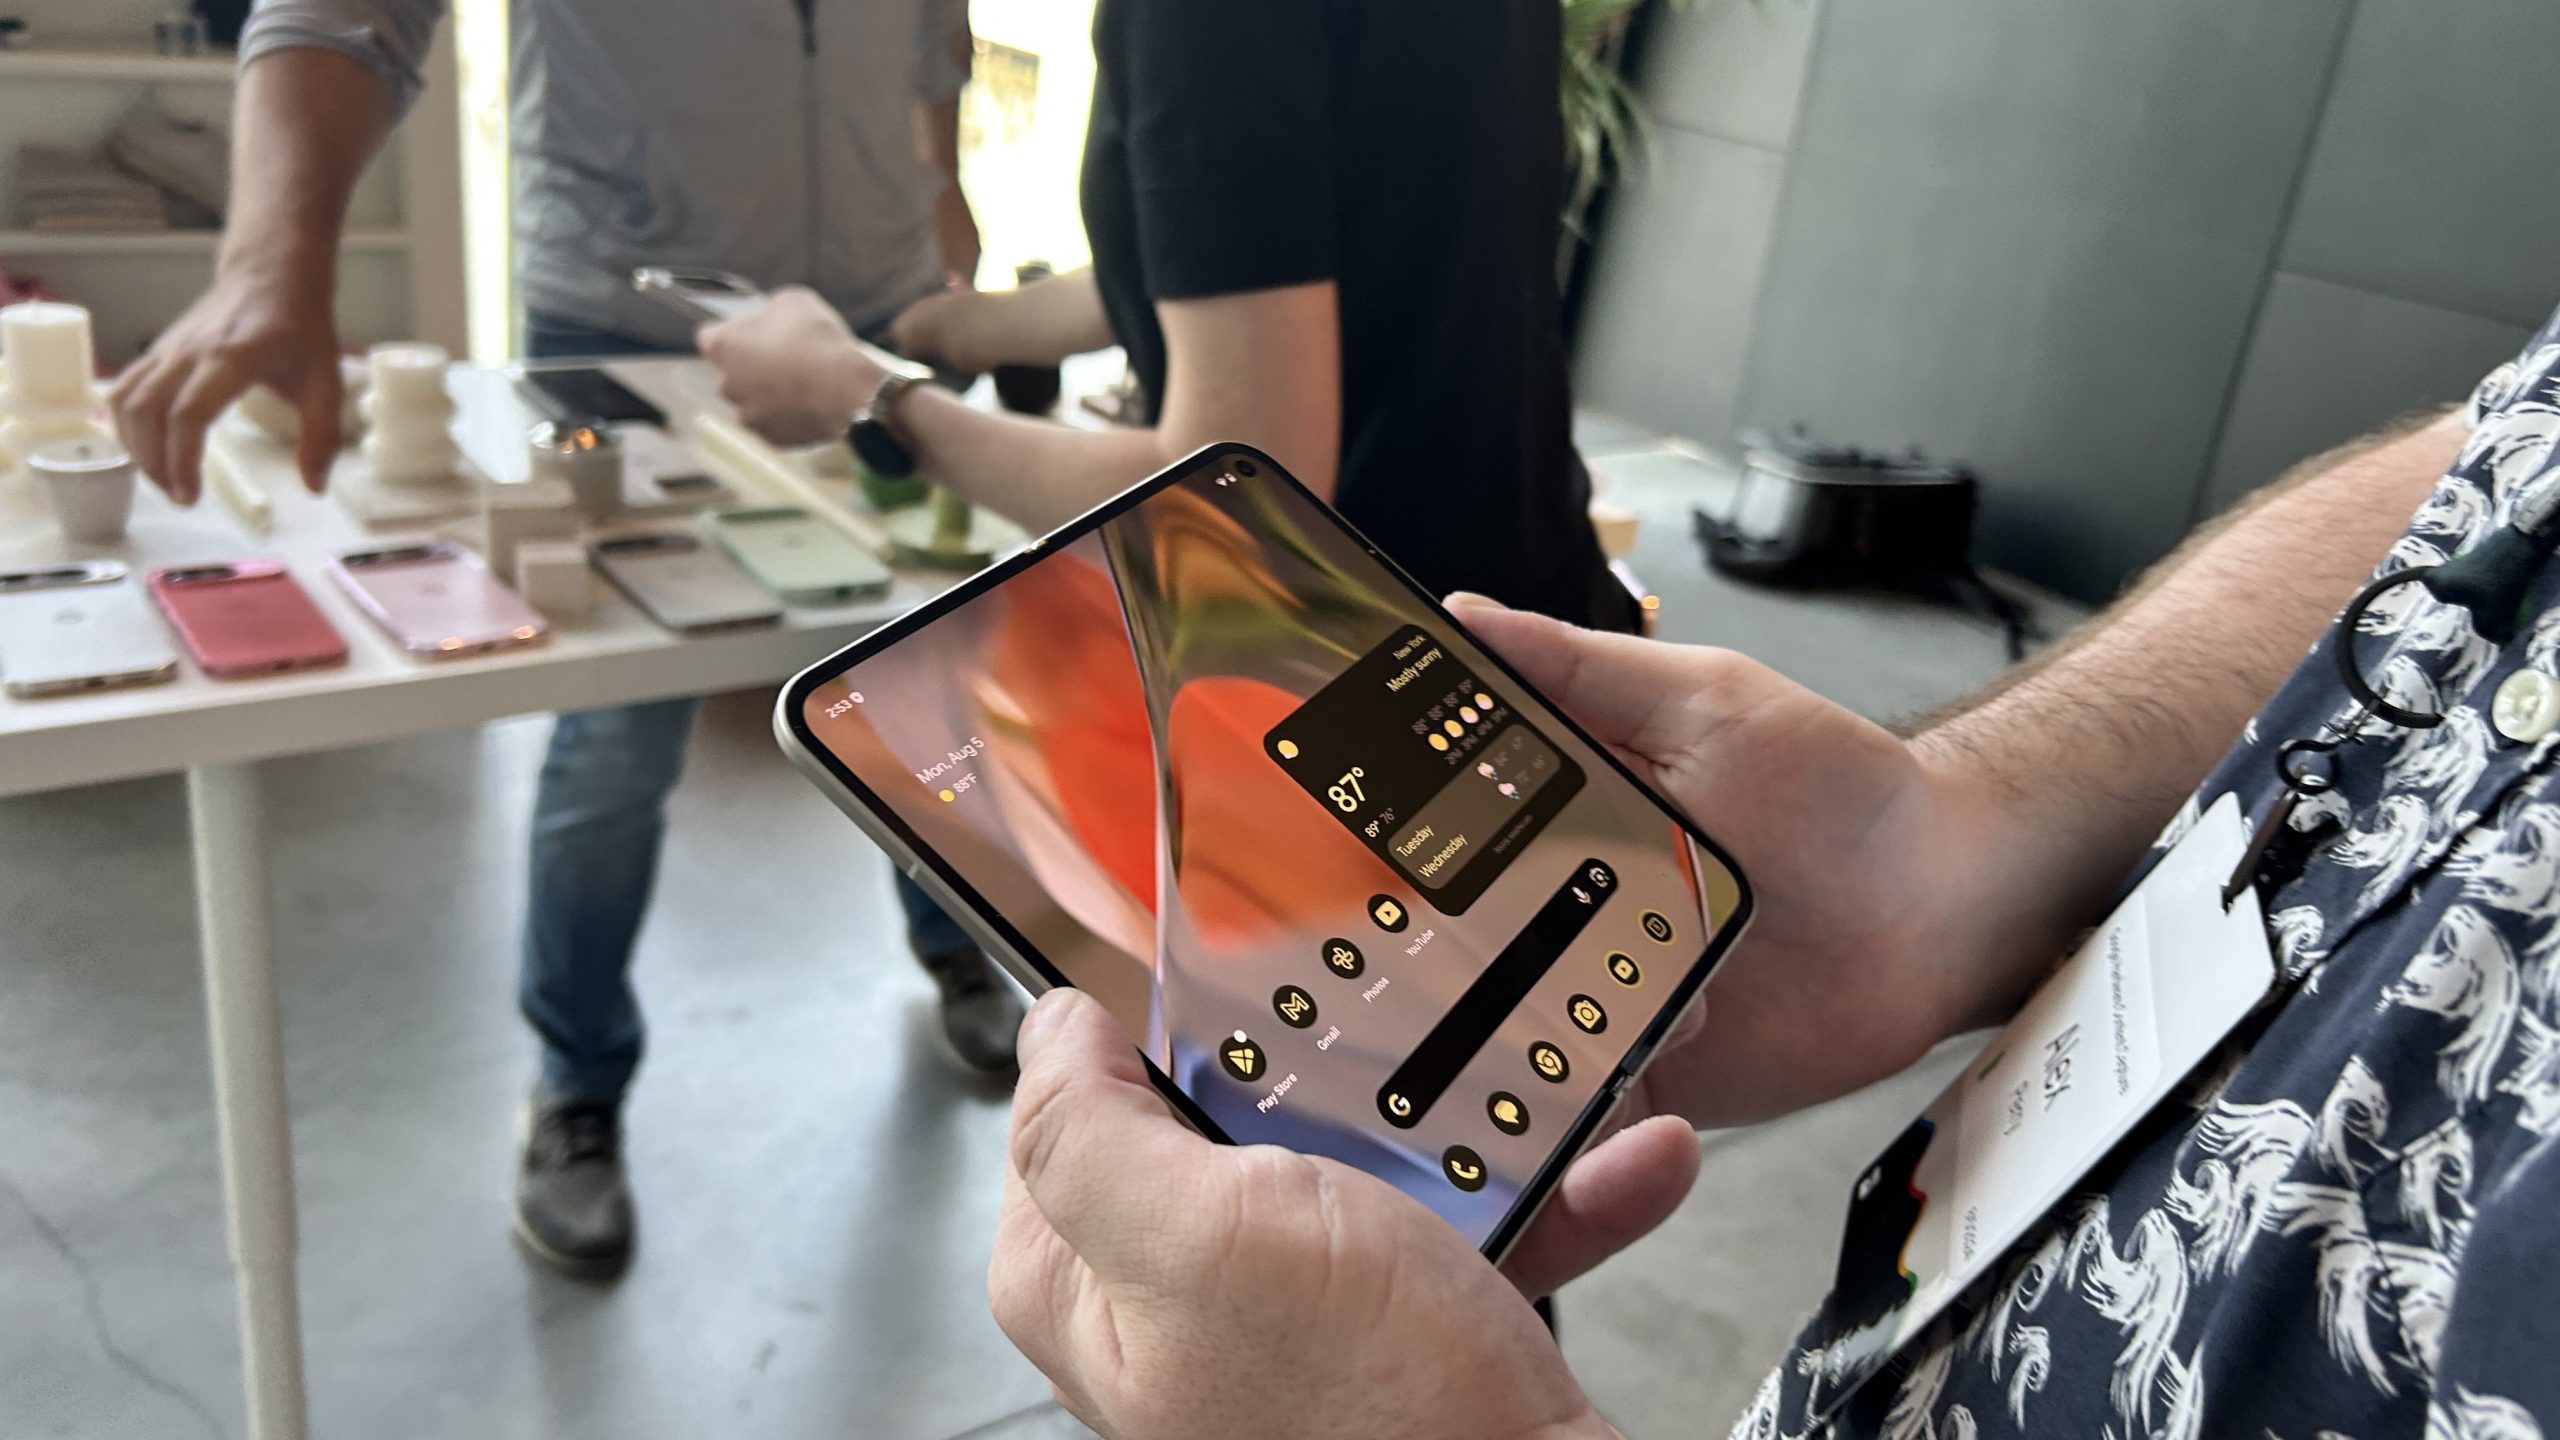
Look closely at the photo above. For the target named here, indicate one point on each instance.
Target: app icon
(1397, 1108)
(1343, 959)
(1586, 1014)
(1549, 1062)
(1464, 1167)
(1508, 1114)
(1295, 1007)
(1241, 1057)
(1602, 878)
(1657, 927)
(1624, 970)
(1389, 913)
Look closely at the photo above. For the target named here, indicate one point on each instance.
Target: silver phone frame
(671, 540)
(79, 574)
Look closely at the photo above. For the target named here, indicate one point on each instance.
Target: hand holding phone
(1264, 1287)
(1348, 882)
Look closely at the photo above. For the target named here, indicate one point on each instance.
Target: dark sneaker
(573, 1211)
(980, 1012)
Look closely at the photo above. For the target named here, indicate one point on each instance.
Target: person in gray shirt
(796, 142)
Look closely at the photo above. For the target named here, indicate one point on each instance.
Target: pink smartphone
(438, 600)
(246, 617)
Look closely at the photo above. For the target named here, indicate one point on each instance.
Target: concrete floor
(817, 1186)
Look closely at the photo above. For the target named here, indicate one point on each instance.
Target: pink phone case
(436, 599)
(246, 617)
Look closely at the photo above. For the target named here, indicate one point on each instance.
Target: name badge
(2119, 1026)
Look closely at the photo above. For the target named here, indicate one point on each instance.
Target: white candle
(52, 365)
(410, 413)
(408, 380)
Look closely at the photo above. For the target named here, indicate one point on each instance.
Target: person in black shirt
(1325, 227)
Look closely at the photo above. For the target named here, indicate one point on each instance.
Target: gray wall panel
(2329, 363)
(2030, 236)
(1669, 319)
(1730, 68)
(2433, 177)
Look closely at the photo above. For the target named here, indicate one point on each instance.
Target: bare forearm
(1042, 323)
(1037, 473)
(938, 136)
(2070, 767)
(305, 123)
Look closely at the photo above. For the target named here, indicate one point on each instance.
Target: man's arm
(950, 52)
(1041, 323)
(2073, 763)
(321, 85)
(1913, 889)
(1264, 367)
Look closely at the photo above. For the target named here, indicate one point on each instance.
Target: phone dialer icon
(1464, 1167)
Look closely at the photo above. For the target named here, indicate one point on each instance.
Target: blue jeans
(599, 819)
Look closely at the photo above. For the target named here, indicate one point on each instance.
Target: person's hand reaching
(1173, 1287)
(792, 368)
(259, 324)
(1858, 854)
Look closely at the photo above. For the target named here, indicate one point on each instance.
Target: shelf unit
(109, 60)
(366, 240)
(402, 275)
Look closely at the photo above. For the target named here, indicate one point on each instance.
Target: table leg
(229, 834)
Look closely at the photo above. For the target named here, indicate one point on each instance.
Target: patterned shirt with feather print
(2348, 1223)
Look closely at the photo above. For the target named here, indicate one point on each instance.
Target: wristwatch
(874, 433)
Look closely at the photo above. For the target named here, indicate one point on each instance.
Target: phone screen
(589, 395)
(1349, 886)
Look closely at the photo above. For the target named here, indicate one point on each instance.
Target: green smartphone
(798, 556)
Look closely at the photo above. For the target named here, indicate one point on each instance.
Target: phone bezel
(791, 725)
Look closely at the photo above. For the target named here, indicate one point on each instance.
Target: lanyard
(2491, 580)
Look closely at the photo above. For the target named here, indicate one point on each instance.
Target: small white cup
(91, 484)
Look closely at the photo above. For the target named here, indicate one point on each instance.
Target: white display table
(215, 729)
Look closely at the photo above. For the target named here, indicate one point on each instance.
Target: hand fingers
(213, 385)
(323, 395)
(1629, 691)
(1096, 1147)
(143, 398)
(1613, 1196)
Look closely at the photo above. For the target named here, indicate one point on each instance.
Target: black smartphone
(587, 394)
(1348, 883)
